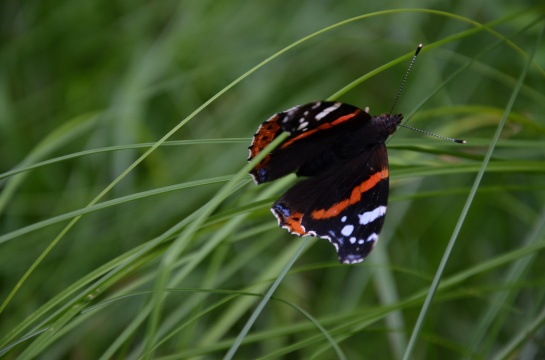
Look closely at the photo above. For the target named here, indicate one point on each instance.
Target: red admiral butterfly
(342, 151)
(341, 148)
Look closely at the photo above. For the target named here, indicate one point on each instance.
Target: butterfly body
(340, 149)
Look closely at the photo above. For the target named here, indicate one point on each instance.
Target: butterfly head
(388, 122)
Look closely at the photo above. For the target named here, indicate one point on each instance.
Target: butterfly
(341, 151)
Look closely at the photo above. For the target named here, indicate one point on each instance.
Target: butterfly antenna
(432, 134)
(405, 78)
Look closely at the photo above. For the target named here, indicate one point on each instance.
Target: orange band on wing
(321, 127)
(355, 196)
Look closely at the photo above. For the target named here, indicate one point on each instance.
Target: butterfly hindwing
(345, 205)
(313, 127)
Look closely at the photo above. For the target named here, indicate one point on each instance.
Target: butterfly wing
(313, 127)
(345, 207)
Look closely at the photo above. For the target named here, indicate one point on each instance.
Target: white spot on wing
(326, 111)
(373, 237)
(347, 230)
(290, 112)
(343, 219)
(371, 216)
(302, 125)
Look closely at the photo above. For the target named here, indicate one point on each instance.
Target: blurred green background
(92, 85)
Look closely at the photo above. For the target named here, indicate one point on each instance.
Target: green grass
(130, 229)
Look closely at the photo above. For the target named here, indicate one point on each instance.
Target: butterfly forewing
(312, 127)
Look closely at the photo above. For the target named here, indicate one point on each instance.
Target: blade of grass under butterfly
(250, 322)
